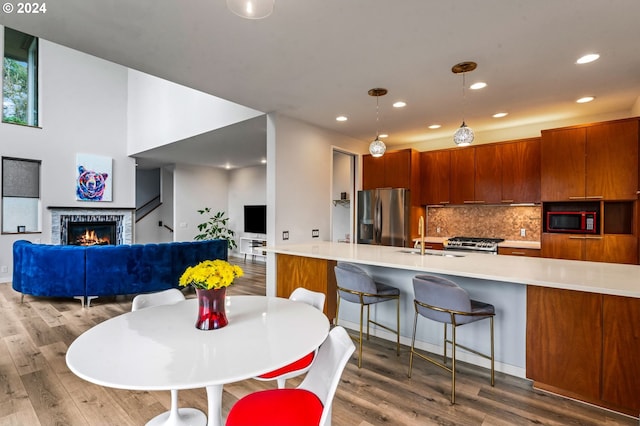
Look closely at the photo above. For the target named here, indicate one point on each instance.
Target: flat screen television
(255, 219)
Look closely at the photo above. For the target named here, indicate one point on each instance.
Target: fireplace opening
(91, 233)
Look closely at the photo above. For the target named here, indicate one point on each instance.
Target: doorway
(343, 193)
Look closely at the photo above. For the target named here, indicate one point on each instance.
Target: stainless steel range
(473, 244)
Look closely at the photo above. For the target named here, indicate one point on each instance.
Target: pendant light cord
(377, 116)
(464, 98)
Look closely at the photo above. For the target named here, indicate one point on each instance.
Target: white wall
(247, 186)
(299, 158)
(162, 112)
(83, 109)
(197, 187)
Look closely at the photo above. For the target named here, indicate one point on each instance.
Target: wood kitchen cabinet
(596, 248)
(488, 174)
(395, 169)
(564, 341)
(312, 274)
(513, 251)
(435, 169)
(584, 346)
(521, 171)
(462, 176)
(598, 161)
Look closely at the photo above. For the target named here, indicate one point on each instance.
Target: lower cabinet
(513, 251)
(584, 346)
(313, 274)
(603, 248)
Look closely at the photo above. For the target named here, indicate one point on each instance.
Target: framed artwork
(93, 178)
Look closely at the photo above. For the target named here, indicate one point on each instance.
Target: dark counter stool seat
(444, 301)
(356, 286)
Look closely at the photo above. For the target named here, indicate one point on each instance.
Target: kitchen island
(557, 320)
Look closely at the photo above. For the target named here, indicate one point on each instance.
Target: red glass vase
(211, 308)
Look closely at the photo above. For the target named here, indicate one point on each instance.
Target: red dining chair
(301, 366)
(308, 404)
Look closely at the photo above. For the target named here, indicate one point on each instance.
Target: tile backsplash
(485, 221)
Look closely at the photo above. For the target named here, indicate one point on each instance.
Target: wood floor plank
(36, 387)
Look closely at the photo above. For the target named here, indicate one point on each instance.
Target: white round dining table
(160, 348)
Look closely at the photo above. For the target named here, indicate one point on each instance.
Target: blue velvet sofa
(88, 272)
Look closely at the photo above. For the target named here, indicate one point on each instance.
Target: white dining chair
(301, 366)
(175, 415)
(308, 404)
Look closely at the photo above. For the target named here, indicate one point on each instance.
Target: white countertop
(594, 277)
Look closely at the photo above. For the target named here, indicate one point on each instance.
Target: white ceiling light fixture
(464, 135)
(341, 118)
(587, 58)
(500, 114)
(585, 99)
(399, 104)
(477, 86)
(377, 147)
(435, 126)
(251, 9)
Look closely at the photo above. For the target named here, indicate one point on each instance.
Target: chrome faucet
(421, 232)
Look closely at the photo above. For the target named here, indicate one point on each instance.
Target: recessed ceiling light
(383, 135)
(478, 85)
(263, 161)
(588, 58)
(227, 166)
(500, 114)
(399, 104)
(341, 118)
(585, 99)
(435, 126)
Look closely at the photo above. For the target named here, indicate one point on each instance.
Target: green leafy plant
(215, 228)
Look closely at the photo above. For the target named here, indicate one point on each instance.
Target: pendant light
(251, 9)
(464, 135)
(377, 147)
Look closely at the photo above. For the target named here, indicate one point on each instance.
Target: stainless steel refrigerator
(383, 217)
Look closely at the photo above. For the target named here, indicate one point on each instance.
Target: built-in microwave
(580, 222)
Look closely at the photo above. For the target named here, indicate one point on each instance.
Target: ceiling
(316, 59)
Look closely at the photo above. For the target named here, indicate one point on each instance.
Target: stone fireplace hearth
(62, 219)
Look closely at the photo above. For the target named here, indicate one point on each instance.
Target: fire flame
(90, 238)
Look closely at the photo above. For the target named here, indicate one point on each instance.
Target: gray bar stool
(356, 286)
(442, 300)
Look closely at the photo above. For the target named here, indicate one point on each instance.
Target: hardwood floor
(36, 388)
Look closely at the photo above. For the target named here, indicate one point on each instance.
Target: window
(20, 195)
(20, 78)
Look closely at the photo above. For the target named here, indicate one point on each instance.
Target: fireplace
(69, 224)
(91, 233)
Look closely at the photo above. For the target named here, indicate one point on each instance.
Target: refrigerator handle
(377, 222)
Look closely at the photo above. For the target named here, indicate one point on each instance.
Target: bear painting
(91, 184)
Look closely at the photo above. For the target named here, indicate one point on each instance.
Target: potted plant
(216, 228)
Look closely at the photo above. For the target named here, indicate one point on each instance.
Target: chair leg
(282, 383)
(337, 310)
(368, 319)
(360, 343)
(444, 356)
(398, 327)
(453, 364)
(413, 343)
(492, 355)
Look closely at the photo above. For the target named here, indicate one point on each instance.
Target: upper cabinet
(507, 172)
(462, 176)
(595, 162)
(396, 169)
(435, 169)
(521, 171)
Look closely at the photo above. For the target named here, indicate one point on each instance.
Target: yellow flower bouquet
(210, 274)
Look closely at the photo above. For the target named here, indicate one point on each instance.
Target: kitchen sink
(430, 253)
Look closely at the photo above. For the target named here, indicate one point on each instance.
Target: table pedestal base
(184, 417)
